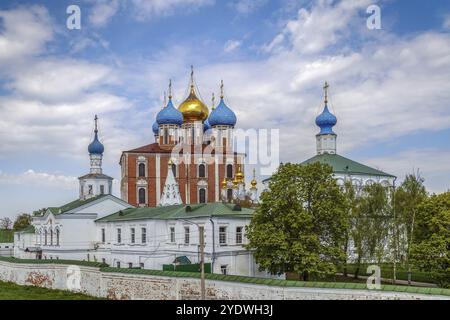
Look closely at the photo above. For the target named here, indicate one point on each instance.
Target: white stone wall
(133, 286)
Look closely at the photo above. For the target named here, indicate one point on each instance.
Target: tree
(300, 223)
(376, 210)
(23, 220)
(5, 223)
(430, 249)
(410, 194)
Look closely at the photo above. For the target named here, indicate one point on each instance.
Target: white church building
(101, 227)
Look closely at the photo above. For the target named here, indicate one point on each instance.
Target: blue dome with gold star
(222, 116)
(169, 115)
(326, 121)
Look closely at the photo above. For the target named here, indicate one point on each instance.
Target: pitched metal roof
(213, 209)
(344, 165)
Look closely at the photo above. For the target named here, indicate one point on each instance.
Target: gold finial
(213, 101)
(221, 89)
(192, 77)
(325, 89)
(254, 182)
(170, 89)
(165, 99)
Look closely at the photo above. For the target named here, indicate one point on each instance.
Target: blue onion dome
(325, 121)
(222, 115)
(169, 115)
(155, 128)
(206, 125)
(96, 147)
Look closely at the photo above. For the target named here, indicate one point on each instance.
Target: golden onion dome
(224, 183)
(239, 175)
(235, 182)
(193, 109)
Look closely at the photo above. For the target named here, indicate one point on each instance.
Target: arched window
(45, 237)
(229, 195)
(141, 170)
(51, 237)
(141, 195)
(57, 237)
(202, 171)
(202, 195)
(166, 136)
(174, 169)
(229, 171)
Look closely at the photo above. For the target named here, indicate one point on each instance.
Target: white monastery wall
(134, 286)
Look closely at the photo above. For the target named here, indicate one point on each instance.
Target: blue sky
(390, 88)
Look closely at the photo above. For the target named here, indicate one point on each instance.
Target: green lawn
(12, 291)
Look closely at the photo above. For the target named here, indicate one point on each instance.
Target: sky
(389, 87)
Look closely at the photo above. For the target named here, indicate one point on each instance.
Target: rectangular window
(223, 269)
(130, 265)
(172, 234)
(118, 264)
(104, 260)
(133, 235)
(222, 235)
(102, 189)
(144, 235)
(238, 235)
(103, 235)
(186, 235)
(141, 265)
(90, 189)
(119, 235)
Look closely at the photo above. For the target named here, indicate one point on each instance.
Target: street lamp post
(201, 232)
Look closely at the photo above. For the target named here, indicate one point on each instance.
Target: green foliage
(12, 291)
(408, 197)
(430, 250)
(300, 223)
(22, 221)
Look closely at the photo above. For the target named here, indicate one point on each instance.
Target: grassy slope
(11, 291)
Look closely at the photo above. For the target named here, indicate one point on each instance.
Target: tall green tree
(300, 224)
(409, 195)
(23, 220)
(376, 211)
(430, 249)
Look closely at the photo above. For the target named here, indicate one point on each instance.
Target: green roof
(75, 204)
(214, 209)
(6, 236)
(27, 229)
(344, 165)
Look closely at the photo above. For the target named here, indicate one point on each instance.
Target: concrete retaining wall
(134, 286)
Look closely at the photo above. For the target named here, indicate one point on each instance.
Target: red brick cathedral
(197, 145)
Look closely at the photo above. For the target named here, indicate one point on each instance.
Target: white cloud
(25, 32)
(324, 25)
(435, 172)
(232, 45)
(145, 9)
(60, 79)
(31, 177)
(446, 23)
(102, 12)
